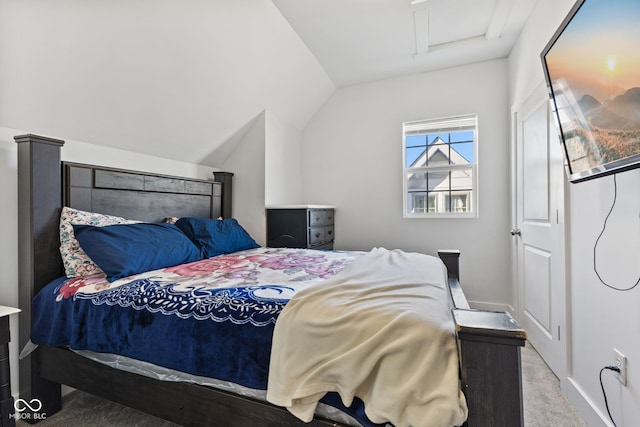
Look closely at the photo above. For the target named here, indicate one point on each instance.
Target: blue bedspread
(227, 350)
(211, 318)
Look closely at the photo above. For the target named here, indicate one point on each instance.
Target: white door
(538, 231)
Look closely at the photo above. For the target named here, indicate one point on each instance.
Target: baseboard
(585, 406)
(490, 306)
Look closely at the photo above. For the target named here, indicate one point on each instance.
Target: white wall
(161, 77)
(603, 319)
(283, 157)
(266, 164)
(600, 318)
(352, 158)
(247, 162)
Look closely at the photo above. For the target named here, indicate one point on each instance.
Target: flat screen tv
(592, 69)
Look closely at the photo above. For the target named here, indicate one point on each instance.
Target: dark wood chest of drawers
(300, 226)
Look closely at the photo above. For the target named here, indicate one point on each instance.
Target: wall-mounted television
(592, 69)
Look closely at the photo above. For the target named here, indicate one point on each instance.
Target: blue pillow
(216, 236)
(126, 249)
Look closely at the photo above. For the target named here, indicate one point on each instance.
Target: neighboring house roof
(439, 153)
(436, 152)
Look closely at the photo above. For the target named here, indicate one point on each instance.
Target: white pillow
(76, 262)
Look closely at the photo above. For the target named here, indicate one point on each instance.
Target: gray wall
(352, 158)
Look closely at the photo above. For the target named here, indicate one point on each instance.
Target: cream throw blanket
(382, 330)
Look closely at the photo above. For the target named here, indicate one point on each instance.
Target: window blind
(451, 124)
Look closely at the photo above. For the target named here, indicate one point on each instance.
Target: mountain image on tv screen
(594, 69)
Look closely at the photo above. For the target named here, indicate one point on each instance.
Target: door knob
(516, 232)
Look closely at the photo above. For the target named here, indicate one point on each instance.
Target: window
(439, 167)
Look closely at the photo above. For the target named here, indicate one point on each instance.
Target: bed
(488, 343)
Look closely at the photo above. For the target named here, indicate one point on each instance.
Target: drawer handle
(330, 232)
(317, 234)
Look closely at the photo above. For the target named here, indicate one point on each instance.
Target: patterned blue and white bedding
(211, 318)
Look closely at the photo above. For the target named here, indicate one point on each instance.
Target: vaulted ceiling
(363, 40)
(181, 80)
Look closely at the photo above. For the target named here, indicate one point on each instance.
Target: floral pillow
(76, 262)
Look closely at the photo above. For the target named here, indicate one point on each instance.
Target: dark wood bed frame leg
(39, 183)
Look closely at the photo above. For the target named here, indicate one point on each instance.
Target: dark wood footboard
(489, 342)
(489, 347)
(491, 371)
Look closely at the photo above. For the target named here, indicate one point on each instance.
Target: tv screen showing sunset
(594, 69)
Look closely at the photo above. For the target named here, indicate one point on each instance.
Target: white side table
(7, 409)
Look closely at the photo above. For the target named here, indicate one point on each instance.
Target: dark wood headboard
(46, 184)
(138, 195)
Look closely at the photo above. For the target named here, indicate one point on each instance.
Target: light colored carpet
(544, 404)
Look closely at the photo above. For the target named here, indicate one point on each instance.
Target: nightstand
(7, 409)
(300, 226)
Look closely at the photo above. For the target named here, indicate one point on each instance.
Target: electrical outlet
(620, 360)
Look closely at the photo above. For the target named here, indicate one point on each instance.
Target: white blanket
(381, 330)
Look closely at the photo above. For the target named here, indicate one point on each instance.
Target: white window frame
(433, 126)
